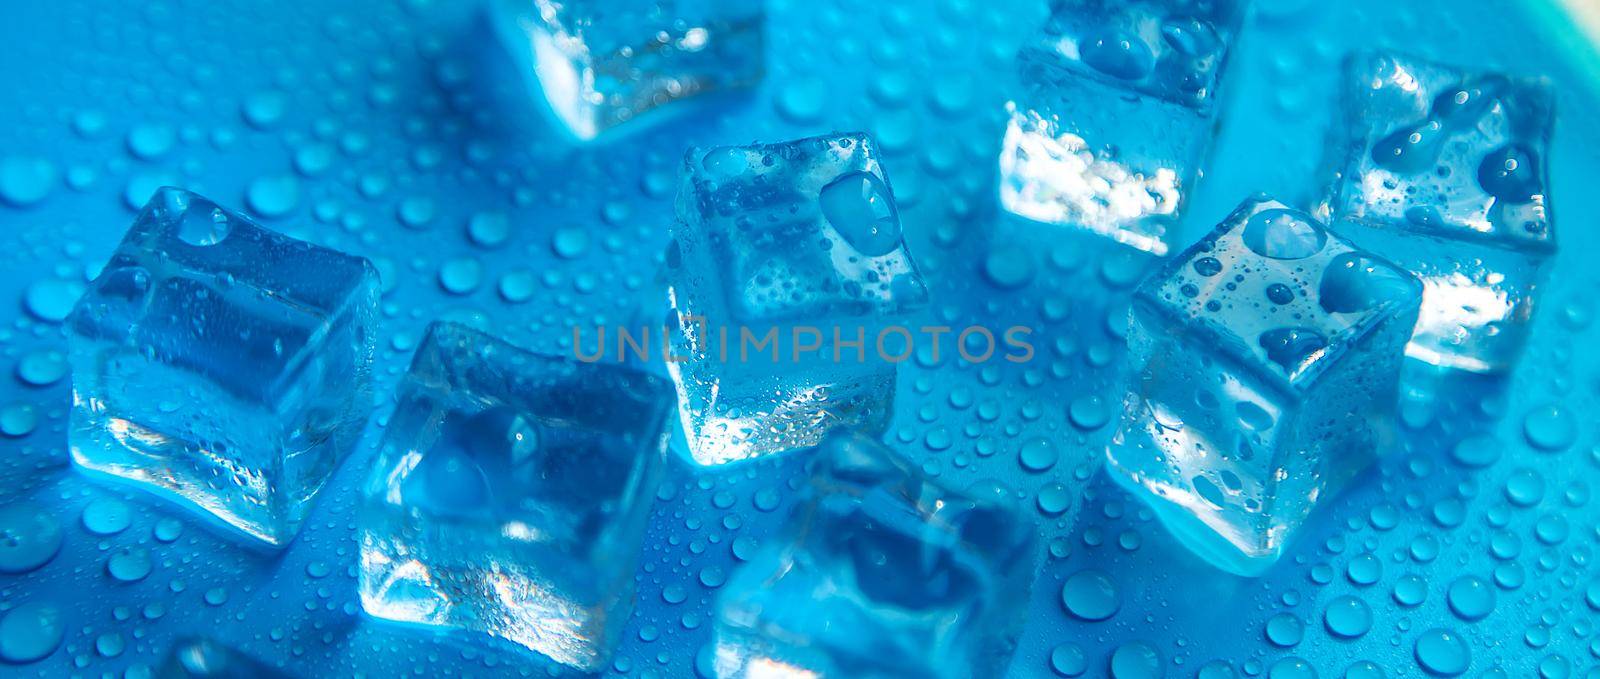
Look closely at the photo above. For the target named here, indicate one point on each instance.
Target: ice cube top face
(222, 364)
(1444, 152)
(1282, 294)
(1169, 49)
(601, 63)
(805, 230)
(886, 573)
(1266, 362)
(511, 493)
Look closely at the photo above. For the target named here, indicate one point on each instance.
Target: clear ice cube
(601, 63)
(1265, 362)
(1117, 111)
(1444, 171)
(510, 495)
(783, 240)
(222, 364)
(884, 572)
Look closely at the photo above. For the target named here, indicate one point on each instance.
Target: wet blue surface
(396, 131)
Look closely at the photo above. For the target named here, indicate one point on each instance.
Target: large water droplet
(860, 208)
(1292, 348)
(1281, 233)
(1511, 173)
(29, 537)
(1442, 652)
(1410, 149)
(1091, 595)
(1356, 282)
(1118, 54)
(31, 632)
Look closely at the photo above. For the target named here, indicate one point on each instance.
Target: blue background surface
(385, 128)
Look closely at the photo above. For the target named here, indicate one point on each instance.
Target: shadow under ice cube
(221, 364)
(884, 572)
(601, 63)
(1444, 171)
(799, 241)
(510, 495)
(1118, 109)
(1266, 362)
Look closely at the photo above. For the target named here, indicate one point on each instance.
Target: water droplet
(1285, 630)
(168, 529)
(107, 516)
(264, 109)
(26, 181)
(1292, 668)
(416, 212)
(42, 367)
(29, 537)
(1008, 267)
(151, 141)
(1550, 428)
(1089, 412)
(1410, 149)
(51, 299)
(517, 286)
(460, 275)
(569, 242)
(1355, 282)
(1470, 598)
(1091, 595)
(861, 209)
(1068, 660)
(802, 99)
(110, 645)
(1477, 451)
(1511, 174)
(1217, 669)
(1293, 348)
(1347, 617)
(1281, 233)
(1037, 455)
(1135, 660)
(129, 564)
(273, 196)
(18, 419)
(31, 632)
(1442, 652)
(489, 229)
(1118, 54)
(1525, 488)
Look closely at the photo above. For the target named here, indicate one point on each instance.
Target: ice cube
(510, 495)
(222, 364)
(1117, 110)
(799, 241)
(1444, 171)
(883, 572)
(601, 63)
(1266, 363)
